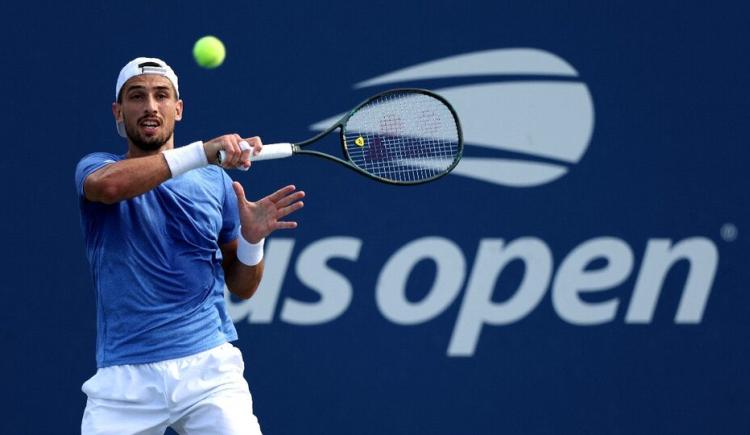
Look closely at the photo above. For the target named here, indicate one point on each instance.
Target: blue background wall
(667, 160)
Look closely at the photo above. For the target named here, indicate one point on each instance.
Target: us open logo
(527, 120)
(526, 116)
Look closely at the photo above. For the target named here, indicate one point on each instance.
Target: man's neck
(134, 151)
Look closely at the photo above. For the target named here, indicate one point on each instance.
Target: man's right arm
(131, 177)
(126, 179)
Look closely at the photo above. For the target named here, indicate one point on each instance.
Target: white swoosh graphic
(546, 119)
(538, 117)
(515, 173)
(504, 61)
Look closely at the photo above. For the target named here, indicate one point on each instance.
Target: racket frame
(298, 148)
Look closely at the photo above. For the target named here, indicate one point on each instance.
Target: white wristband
(185, 158)
(249, 254)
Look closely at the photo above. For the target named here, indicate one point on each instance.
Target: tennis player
(165, 229)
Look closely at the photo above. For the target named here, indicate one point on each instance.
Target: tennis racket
(400, 136)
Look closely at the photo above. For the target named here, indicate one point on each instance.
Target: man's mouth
(150, 125)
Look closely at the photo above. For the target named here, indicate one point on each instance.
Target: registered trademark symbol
(729, 232)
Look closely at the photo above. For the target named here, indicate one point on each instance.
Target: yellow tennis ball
(209, 52)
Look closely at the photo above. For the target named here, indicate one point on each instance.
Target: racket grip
(274, 151)
(269, 152)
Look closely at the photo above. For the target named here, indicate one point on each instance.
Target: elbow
(245, 295)
(242, 281)
(104, 191)
(110, 194)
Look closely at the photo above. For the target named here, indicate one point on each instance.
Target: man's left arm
(243, 257)
(242, 280)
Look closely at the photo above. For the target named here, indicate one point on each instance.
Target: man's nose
(151, 104)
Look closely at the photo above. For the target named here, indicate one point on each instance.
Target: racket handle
(269, 152)
(274, 151)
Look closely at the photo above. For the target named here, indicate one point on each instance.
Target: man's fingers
(239, 191)
(256, 145)
(230, 145)
(245, 155)
(236, 150)
(290, 209)
(276, 196)
(286, 225)
(226, 146)
(296, 196)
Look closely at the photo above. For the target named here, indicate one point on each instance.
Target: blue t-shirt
(156, 265)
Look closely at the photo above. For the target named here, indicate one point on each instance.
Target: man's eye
(136, 96)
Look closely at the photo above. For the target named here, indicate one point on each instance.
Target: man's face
(148, 109)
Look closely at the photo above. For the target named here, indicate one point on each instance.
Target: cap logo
(152, 68)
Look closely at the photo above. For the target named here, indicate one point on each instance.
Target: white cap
(140, 66)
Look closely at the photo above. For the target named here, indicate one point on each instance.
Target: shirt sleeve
(230, 228)
(90, 164)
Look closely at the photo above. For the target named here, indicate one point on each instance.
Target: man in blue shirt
(165, 229)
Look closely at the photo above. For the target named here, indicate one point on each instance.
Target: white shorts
(203, 393)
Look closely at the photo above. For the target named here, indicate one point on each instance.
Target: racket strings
(403, 136)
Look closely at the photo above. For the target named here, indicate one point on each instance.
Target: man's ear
(117, 112)
(178, 110)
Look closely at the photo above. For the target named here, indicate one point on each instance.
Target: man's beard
(152, 143)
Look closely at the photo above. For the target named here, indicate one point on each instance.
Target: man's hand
(235, 156)
(261, 218)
